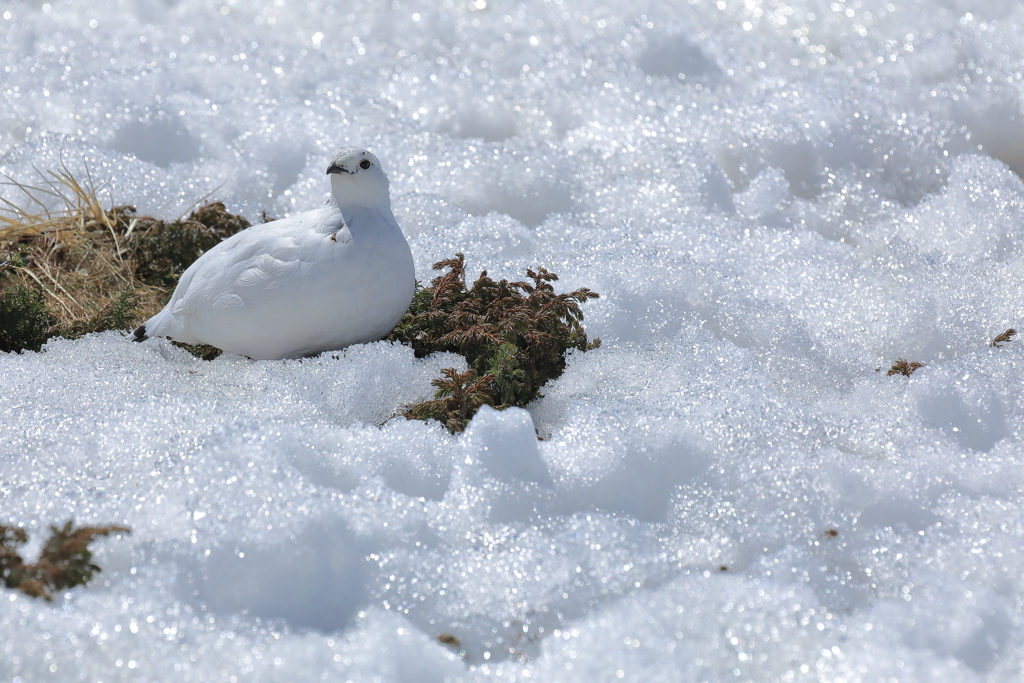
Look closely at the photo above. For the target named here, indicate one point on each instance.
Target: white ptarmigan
(317, 281)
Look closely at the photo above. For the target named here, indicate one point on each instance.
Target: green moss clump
(65, 561)
(514, 336)
(164, 249)
(25, 321)
(119, 314)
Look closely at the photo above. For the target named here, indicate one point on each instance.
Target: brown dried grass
(60, 239)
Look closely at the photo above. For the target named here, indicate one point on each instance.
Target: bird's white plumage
(318, 281)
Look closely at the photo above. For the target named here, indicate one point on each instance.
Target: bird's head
(357, 178)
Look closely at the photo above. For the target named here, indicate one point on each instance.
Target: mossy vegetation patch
(513, 335)
(79, 268)
(164, 249)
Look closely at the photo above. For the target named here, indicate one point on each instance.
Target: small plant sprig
(65, 561)
(200, 351)
(459, 395)
(117, 315)
(1004, 337)
(25, 321)
(514, 336)
(162, 250)
(903, 367)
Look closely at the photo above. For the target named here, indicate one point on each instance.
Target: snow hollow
(776, 200)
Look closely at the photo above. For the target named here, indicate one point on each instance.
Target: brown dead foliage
(65, 561)
(903, 367)
(1004, 337)
(80, 268)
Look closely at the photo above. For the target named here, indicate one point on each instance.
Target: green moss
(514, 336)
(119, 314)
(25, 321)
(164, 249)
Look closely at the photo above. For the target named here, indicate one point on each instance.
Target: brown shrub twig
(1003, 337)
(65, 560)
(903, 367)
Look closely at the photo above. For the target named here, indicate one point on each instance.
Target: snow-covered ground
(774, 199)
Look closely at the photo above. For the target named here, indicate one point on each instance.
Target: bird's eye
(364, 164)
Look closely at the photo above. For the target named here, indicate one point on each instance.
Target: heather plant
(64, 562)
(514, 336)
(458, 397)
(162, 250)
(1004, 337)
(904, 367)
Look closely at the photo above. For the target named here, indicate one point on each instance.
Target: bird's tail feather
(154, 327)
(165, 324)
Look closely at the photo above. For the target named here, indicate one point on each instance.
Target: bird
(317, 281)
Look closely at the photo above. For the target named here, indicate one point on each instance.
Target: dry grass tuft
(77, 254)
(69, 267)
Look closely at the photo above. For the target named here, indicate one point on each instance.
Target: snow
(773, 199)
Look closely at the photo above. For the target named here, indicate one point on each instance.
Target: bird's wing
(251, 258)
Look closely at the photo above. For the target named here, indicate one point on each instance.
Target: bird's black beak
(334, 168)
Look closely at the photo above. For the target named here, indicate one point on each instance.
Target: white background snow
(773, 199)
